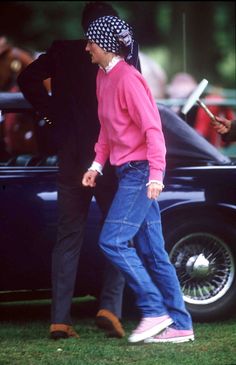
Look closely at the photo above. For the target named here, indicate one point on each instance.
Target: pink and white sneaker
(172, 335)
(150, 326)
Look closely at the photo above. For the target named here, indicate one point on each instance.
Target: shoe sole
(108, 326)
(170, 340)
(58, 335)
(151, 332)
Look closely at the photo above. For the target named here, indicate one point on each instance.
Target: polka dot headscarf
(112, 34)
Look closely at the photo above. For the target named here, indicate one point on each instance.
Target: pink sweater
(130, 122)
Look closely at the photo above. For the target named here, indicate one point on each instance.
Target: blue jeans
(146, 267)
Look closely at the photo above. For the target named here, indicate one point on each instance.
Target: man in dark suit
(72, 111)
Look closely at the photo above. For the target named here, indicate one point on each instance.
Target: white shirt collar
(112, 63)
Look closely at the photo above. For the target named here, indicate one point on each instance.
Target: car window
(25, 140)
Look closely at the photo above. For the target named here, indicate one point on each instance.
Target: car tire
(203, 251)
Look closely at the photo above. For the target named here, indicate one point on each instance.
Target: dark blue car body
(198, 207)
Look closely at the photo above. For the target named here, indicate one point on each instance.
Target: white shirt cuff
(157, 182)
(96, 166)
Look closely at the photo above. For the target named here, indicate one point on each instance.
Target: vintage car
(198, 207)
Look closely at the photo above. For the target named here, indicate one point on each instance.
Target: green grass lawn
(24, 341)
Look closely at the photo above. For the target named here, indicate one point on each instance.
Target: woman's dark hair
(94, 10)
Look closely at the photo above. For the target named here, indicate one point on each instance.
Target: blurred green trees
(197, 37)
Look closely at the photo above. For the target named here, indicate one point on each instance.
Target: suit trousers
(73, 206)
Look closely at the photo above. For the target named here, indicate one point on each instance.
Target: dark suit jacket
(72, 105)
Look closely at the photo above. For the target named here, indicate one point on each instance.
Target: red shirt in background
(203, 121)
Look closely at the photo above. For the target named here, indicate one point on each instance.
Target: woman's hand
(153, 191)
(89, 178)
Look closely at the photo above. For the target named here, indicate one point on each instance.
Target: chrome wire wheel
(205, 267)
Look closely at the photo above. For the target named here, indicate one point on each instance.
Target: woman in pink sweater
(131, 137)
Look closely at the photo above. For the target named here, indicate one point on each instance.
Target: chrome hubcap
(205, 267)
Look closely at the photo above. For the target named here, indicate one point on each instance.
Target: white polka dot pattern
(111, 33)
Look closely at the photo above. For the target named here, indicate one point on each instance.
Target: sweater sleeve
(141, 106)
(102, 147)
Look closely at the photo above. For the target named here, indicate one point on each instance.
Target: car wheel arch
(217, 232)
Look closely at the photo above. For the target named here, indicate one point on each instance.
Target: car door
(28, 214)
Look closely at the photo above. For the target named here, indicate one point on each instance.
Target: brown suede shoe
(59, 331)
(107, 321)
